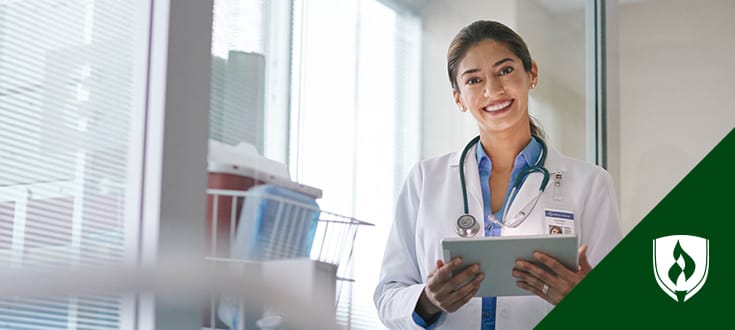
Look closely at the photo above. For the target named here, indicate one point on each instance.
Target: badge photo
(558, 222)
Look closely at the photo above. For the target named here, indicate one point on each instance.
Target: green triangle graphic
(621, 292)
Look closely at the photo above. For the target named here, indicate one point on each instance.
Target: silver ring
(545, 290)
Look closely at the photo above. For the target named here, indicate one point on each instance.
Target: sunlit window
(354, 121)
(250, 74)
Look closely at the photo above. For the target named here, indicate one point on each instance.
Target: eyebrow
(468, 71)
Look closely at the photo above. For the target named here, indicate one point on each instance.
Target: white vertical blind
(354, 123)
(72, 93)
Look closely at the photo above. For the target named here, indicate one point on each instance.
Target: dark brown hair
(478, 31)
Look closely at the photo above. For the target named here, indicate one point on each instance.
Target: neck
(503, 147)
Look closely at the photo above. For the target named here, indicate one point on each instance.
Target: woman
(491, 73)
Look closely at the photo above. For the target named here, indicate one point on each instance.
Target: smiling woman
(480, 75)
(490, 86)
(491, 73)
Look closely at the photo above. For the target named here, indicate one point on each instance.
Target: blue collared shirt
(420, 321)
(527, 158)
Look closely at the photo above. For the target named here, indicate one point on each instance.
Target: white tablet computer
(497, 256)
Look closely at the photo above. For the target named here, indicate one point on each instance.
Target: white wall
(676, 85)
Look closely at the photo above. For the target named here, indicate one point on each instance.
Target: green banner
(672, 270)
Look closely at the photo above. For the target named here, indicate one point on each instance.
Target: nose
(493, 86)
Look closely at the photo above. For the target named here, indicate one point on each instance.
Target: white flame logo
(680, 265)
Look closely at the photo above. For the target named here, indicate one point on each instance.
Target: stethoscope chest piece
(467, 226)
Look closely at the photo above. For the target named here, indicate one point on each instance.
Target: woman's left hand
(553, 288)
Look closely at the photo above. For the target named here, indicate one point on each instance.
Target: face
(493, 86)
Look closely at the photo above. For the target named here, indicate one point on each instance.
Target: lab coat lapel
(555, 162)
(534, 223)
(527, 192)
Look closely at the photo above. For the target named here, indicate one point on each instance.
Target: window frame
(175, 153)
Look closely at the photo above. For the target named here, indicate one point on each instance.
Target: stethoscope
(467, 225)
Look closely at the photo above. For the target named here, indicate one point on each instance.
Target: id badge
(558, 222)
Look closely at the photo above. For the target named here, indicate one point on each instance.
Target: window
(339, 105)
(354, 116)
(72, 93)
(250, 75)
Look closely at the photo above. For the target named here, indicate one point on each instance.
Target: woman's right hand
(447, 293)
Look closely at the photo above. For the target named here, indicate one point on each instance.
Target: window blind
(72, 91)
(354, 123)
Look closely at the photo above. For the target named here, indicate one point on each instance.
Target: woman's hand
(444, 292)
(553, 288)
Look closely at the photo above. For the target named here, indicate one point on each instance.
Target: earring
(533, 85)
(461, 108)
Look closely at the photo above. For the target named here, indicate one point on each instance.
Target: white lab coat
(427, 209)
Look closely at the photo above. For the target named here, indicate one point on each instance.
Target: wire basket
(286, 227)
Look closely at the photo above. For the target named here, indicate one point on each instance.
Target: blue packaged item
(275, 223)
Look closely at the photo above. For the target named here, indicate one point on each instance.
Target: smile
(498, 106)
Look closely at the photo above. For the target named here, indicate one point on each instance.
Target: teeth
(498, 106)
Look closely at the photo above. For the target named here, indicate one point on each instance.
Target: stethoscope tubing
(461, 172)
(538, 167)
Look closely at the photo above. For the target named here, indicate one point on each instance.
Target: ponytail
(536, 129)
